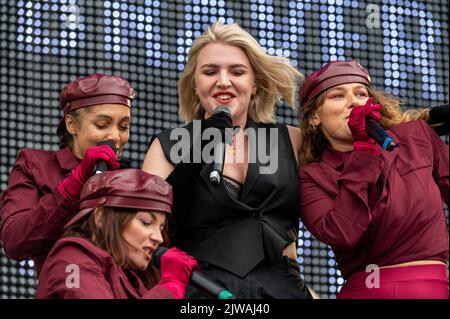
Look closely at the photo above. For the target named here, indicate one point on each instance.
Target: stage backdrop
(45, 44)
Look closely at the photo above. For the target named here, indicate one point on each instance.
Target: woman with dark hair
(107, 247)
(44, 187)
(381, 212)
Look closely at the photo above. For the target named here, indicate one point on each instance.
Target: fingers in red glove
(176, 269)
(357, 119)
(369, 146)
(93, 155)
(72, 185)
(374, 111)
(357, 124)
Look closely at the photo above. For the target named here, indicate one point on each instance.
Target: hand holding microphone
(219, 149)
(363, 124)
(178, 269)
(95, 160)
(220, 120)
(379, 134)
(110, 160)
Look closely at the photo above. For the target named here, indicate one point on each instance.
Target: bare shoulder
(155, 161)
(296, 139)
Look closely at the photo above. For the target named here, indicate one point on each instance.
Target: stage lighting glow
(46, 44)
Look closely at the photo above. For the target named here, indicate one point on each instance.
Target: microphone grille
(109, 143)
(222, 108)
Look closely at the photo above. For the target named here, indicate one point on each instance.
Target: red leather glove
(71, 186)
(357, 125)
(176, 269)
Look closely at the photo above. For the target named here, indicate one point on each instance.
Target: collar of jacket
(336, 159)
(66, 159)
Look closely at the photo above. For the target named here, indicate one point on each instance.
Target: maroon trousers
(407, 282)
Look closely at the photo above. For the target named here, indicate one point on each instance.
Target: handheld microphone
(219, 153)
(200, 281)
(379, 134)
(101, 166)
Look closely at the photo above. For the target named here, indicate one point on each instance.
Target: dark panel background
(45, 44)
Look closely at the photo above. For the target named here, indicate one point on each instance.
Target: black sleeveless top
(238, 235)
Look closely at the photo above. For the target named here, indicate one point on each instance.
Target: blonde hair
(274, 76)
(313, 140)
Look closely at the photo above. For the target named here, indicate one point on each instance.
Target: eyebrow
(107, 117)
(211, 65)
(340, 88)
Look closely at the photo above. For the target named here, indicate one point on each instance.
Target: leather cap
(126, 188)
(92, 90)
(332, 74)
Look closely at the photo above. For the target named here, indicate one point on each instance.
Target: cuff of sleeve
(368, 147)
(177, 289)
(159, 292)
(68, 206)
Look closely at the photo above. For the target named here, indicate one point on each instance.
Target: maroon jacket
(382, 210)
(77, 269)
(33, 212)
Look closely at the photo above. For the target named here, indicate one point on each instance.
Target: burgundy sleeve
(70, 264)
(31, 221)
(158, 292)
(440, 162)
(84, 274)
(339, 220)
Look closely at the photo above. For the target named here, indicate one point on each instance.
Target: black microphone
(101, 166)
(380, 136)
(200, 281)
(219, 152)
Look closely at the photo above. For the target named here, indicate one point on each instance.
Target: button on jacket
(33, 212)
(382, 210)
(91, 273)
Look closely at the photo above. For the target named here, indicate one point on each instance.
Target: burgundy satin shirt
(385, 209)
(33, 212)
(77, 269)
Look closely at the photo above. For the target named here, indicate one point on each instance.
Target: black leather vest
(238, 235)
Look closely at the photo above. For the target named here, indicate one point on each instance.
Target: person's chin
(141, 265)
(145, 263)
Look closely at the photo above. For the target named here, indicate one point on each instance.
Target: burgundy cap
(126, 188)
(332, 74)
(92, 90)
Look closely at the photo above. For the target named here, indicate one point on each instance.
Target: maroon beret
(332, 74)
(92, 90)
(126, 188)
